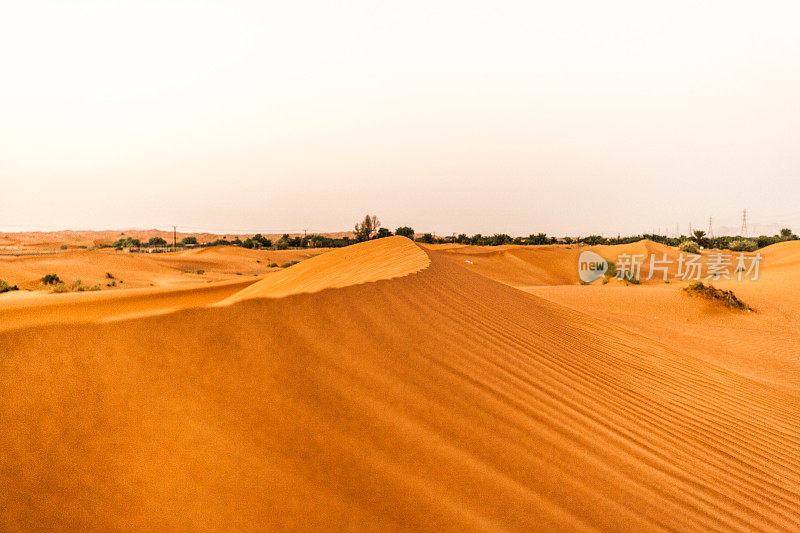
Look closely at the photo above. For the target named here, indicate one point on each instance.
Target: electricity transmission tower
(744, 223)
(710, 227)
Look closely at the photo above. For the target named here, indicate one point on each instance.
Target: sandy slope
(361, 263)
(137, 270)
(521, 266)
(438, 399)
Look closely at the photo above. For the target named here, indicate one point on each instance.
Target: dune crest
(375, 260)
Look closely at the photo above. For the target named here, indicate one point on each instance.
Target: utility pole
(744, 223)
(710, 227)
(174, 238)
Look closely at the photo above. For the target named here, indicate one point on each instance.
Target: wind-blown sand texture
(385, 386)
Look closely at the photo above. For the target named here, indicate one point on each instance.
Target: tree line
(370, 228)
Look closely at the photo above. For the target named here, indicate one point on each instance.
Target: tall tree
(368, 227)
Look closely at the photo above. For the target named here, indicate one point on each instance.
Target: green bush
(59, 287)
(50, 279)
(273, 265)
(690, 247)
(5, 287)
(156, 241)
(743, 245)
(290, 263)
(189, 240)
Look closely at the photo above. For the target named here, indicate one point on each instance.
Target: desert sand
(389, 386)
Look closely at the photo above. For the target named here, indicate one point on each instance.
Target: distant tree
(262, 241)
(405, 231)
(189, 240)
(787, 235)
(539, 238)
(156, 241)
(127, 242)
(283, 242)
(500, 238)
(367, 228)
(383, 232)
(248, 243)
(426, 238)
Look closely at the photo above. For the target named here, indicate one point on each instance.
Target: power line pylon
(710, 227)
(744, 223)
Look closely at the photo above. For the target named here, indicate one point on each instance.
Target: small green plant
(273, 265)
(709, 292)
(290, 263)
(50, 279)
(109, 275)
(201, 271)
(5, 287)
(63, 247)
(59, 287)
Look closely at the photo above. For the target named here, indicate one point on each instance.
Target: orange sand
(387, 387)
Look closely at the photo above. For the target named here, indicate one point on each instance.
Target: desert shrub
(612, 270)
(112, 284)
(59, 287)
(63, 247)
(201, 271)
(5, 287)
(405, 231)
(709, 292)
(109, 275)
(743, 245)
(248, 243)
(383, 232)
(290, 263)
(690, 247)
(427, 238)
(156, 241)
(50, 279)
(189, 240)
(273, 265)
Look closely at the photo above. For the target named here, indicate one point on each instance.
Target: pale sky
(515, 117)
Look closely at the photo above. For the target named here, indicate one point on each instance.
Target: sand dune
(414, 395)
(138, 270)
(361, 263)
(525, 266)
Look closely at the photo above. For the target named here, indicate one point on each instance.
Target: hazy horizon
(570, 119)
